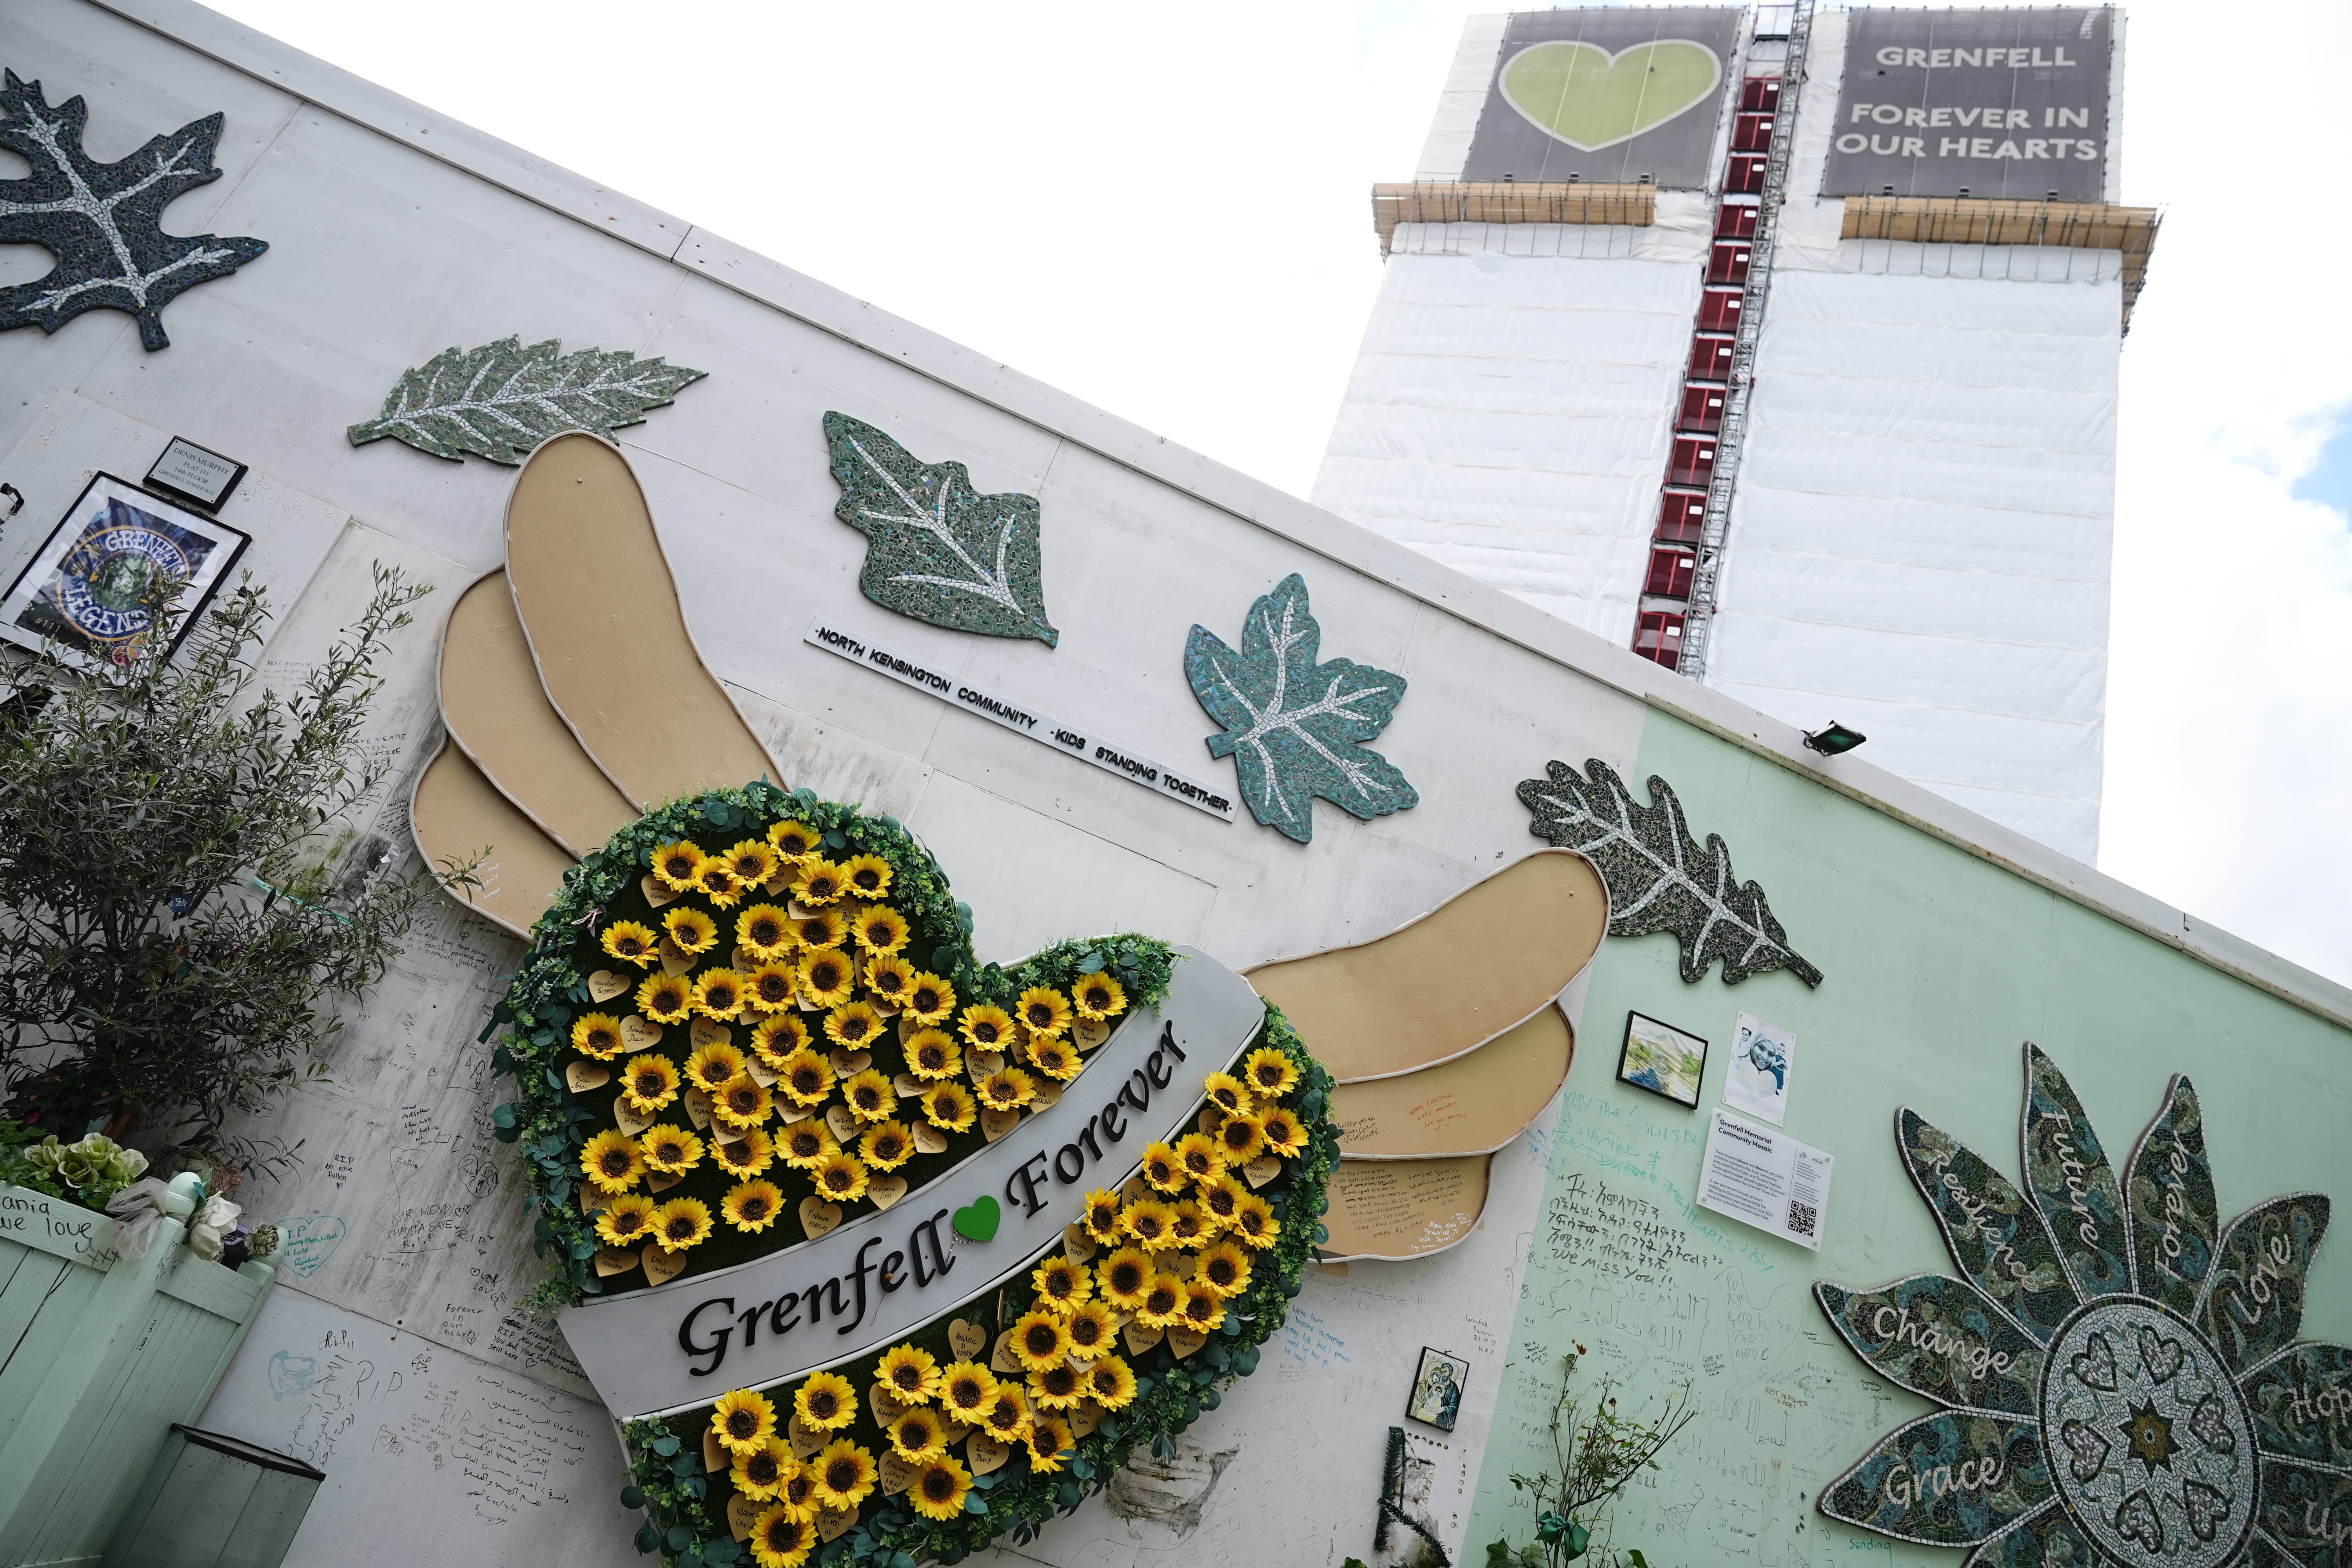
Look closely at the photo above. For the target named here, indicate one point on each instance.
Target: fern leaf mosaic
(502, 400)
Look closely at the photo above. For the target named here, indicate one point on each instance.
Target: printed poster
(1766, 1179)
(1758, 1081)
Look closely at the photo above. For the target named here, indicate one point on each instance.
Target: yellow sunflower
(1044, 1010)
(869, 1096)
(781, 1540)
(1218, 1200)
(1040, 1339)
(839, 1177)
(664, 998)
(799, 1494)
(1240, 1139)
(868, 876)
(649, 1082)
(631, 942)
(712, 1064)
(827, 1402)
(827, 977)
(1061, 1284)
(1101, 1218)
(918, 1433)
(1049, 1443)
(597, 1034)
(929, 999)
(1161, 1171)
(719, 994)
(752, 1206)
(940, 1487)
(675, 864)
(886, 1145)
(990, 1028)
(1148, 1220)
(691, 929)
(933, 1053)
(1224, 1268)
(1056, 1387)
(1163, 1301)
(765, 930)
(1055, 1057)
(1200, 1158)
(1204, 1309)
(820, 883)
(1126, 1278)
(741, 1103)
(681, 1223)
(1254, 1225)
(626, 1220)
(752, 861)
(612, 1162)
(1270, 1073)
(805, 1143)
(845, 1474)
(793, 841)
(1189, 1224)
(1007, 1415)
(775, 1039)
(715, 880)
(853, 1024)
(672, 1151)
(889, 977)
(949, 1106)
(762, 1473)
(910, 1372)
(1110, 1382)
(1091, 1327)
(1284, 1133)
(881, 930)
(742, 1419)
(1098, 996)
(771, 985)
(805, 1076)
(746, 1156)
(1226, 1092)
(820, 929)
(1007, 1089)
(965, 1389)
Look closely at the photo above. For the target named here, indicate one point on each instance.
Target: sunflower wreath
(658, 1147)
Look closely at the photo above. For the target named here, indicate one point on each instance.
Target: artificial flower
(712, 1064)
(853, 1024)
(1285, 1135)
(664, 998)
(1163, 1301)
(1098, 996)
(1254, 1225)
(627, 1219)
(827, 1402)
(1240, 1139)
(1091, 1327)
(1218, 1200)
(806, 1143)
(1056, 1387)
(1110, 1382)
(1126, 1278)
(868, 876)
(794, 841)
(741, 1103)
(1188, 1225)
(948, 1107)
(940, 1488)
(762, 1473)
(1040, 1339)
(1198, 1155)
(1055, 1057)
(691, 930)
(752, 861)
(1148, 1220)
(1205, 1309)
(869, 1096)
(1044, 1010)
(681, 1223)
(612, 1162)
(672, 1151)
(1049, 1443)
(1226, 1092)
(631, 942)
(820, 883)
(929, 999)
(799, 1494)
(918, 1433)
(1161, 1171)
(1101, 1218)
(987, 1027)
(839, 1177)
(886, 1145)
(775, 1039)
(715, 880)
(888, 977)
(781, 1540)
(1061, 1284)
(965, 1389)
(719, 994)
(1271, 1073)
(742, 1419)
(845, 1474)
(881, 930)
(805, 1076)
(910, 1372)
(675, 864)
(1224, 1268)
(597, 1034)
(771, 985)
(826, 977)
(933, 1053)
(1007, 1089)
(1007, 1415)
(820, 929)
(649, 1082)
(765, 930)
(744, 1157)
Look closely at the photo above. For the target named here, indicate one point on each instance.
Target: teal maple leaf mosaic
(937, 550)
(1294, 727)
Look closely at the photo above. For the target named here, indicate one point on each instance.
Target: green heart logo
(979, 1222)
(1590, 100)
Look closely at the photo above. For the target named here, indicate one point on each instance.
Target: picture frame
(80, 592)
(1437, 1383)
(1662, 1059)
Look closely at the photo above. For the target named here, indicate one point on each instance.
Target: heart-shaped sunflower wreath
(752, 1020)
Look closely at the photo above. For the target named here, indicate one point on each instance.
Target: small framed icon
(1436, 1398)
(1664, 1060)
(87, 590)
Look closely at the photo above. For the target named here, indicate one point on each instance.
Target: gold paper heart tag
(834, 1522)
(1136, 1191)
(1087, 1419)
(1048, 1092)
(906, 1086)
(1211, 1120)
(806, 1439)
(662, 1267)
(611, 1260)
(844, 1124)
(849, 1064)
(1183, 1265)
(726, 1135)
(657, 893)
(897, 1475)
(675, 960)
(967, 1339)
(986, 1453)
(886, 1189)
(884, 1405)
(1261, 1171)
(1004, 1360)
(585, 1076)
(818, 1216)
(788, 1114)
(1184, 1342)
(777, 886)
(661, 1180)
(929, 1139)
(1087, 1034)
(640, 1034)
(628, 1121)
(742, 1513)
(956, 1430)
(603, 985)
(715, 1456)
(703, 1032)
(995, 1124)
(978, 1064)
(762, 1073)
(1076, 1244)
(1140, 1337)
(594, 1200)
(698, 1108)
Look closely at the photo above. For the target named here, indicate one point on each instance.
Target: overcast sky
(1164, 210)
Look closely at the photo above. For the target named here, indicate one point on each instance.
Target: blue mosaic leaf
(2073, 1181)
(1939, 1337)
(1946, 1480)
(502, 400)
(1294, 727)
(2048, 1540)
(2174, 1215)
(1996, 1236)
(2253, 1297)
(2301, 1403)
(2306, 1511)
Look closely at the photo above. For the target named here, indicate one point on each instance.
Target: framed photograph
(1663, 1059)
(1436, 1398)
(84, 589)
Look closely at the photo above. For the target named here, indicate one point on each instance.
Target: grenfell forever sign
(869, 1283)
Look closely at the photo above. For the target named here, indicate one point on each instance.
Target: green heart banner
(1591, 99)
(1605, 95)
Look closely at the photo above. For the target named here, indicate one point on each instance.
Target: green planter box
(99, 1356)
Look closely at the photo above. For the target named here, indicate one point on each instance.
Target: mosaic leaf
(1996, 1237)
(2263, 1553)
(1659, 877)
(1295, 727)
(2301, 1403)
(1939, 1337)
(104, 221)
(2253, 1297)
(2307, 1512)
(2174, 1215)
(2047, 1539)
(2072, 1181)
(1953, 1480)
(937, 550)
(502, 400)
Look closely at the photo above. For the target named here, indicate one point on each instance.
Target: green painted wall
(1938, 967)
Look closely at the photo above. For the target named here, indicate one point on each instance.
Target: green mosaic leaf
(1659, 877)
(937, 550)
(502, 400)
(1294, 727)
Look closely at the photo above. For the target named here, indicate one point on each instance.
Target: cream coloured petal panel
(455, 814)
(1472, 1105)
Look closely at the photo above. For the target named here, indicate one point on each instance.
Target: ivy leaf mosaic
(502, 400)
(1295, 727)
(937, 550)
(2102, 1406)
(1659, 877)
(104, 221)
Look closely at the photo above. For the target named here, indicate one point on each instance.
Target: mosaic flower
(2118, 1371)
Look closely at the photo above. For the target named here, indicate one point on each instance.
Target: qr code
(1803, 1219)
